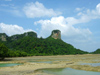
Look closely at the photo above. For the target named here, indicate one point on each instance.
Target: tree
(3, 51)
(97, 51)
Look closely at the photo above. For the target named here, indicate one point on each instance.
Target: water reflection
(68, 71)
(91, 64)
(9, 64)
(41, 62)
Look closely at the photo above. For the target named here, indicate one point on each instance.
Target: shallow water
(9, 64)
(91, 64)
(41, 62)
(68, 71)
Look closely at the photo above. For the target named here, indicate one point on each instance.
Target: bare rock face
(56, 34)
(3, 37)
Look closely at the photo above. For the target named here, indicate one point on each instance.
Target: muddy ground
(30, 64)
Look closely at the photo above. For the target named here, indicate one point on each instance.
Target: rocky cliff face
(56, 34)
(3, 37)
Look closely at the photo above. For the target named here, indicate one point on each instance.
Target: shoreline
(59, 61)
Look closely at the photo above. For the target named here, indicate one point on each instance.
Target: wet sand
(59, 61)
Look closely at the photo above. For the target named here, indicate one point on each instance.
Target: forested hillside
(96, 52)
(30, 45)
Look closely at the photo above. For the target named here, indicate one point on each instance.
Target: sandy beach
(60, 61)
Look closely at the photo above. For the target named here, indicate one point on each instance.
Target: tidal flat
(31, 65)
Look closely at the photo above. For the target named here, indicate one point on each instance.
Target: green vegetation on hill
(30, 45)
(3, 51)
(19, 36)
(96, 52)
(55, 31)
(40, 46)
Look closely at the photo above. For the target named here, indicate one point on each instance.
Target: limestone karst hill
(4, 37)
(31, 45)
(56, 34)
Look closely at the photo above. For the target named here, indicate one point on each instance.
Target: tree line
(33, 46)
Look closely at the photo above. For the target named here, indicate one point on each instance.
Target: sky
(78, 20)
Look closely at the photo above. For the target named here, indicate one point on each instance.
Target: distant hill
(4, 37)
(96, 52)
(28, 44)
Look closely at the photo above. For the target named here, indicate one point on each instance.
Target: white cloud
(37, 9)
(12, 29)
(98, 8)
(88, 15)
(78, 9)
(79, 37)
(68, 31)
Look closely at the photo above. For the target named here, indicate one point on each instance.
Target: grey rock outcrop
(56, 34)
(3, 37)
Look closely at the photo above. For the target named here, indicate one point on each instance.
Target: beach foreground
(30, 65)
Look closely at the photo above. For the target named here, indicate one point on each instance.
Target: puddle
(9, 64)
(91, 64)
(41, 62)
(67, 71)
